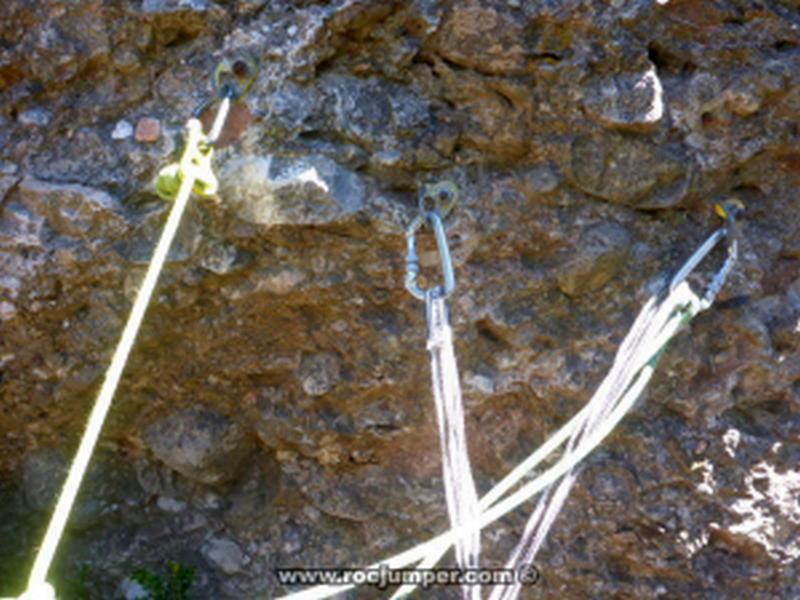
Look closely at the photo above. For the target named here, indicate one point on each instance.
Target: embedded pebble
(225, 554)
(319, 373)
(36, 117)
(7, 311)
(198, 443)
(122, 131)
(148, 130)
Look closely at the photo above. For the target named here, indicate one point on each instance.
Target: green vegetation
(77, 587)
(174, 586)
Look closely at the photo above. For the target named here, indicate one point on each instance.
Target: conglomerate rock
(276, 408)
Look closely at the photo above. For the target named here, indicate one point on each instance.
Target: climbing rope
(682, 299)
(659, 321)
(462, 498)
(632, 358)
(627, 364)
(622, 372)
(193, 172)
(460, 494)
(661, 318)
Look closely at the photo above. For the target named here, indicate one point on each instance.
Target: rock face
(626, 101)
(276, 409)
(198, 444)
(73, 210)
(600, 254)
(627, 170)
(284, 191)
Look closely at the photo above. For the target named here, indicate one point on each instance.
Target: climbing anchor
(233, 77)
(231, 80)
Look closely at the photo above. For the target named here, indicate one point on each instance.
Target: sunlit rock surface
(276, 409)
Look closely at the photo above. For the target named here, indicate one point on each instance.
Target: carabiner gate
(412, 261)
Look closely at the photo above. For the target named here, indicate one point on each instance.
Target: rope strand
(462, 499)
(37, 586)
(678, 304)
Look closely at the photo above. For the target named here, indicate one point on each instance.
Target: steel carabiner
(728, 210)
(412, 261)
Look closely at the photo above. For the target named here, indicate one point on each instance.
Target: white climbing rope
(462, 499)
(627, 364)
(682, 298)
(38, 588)
(631, 358)
(634, 364)
(647, 320)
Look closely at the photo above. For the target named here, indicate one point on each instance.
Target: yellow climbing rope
(193, 172)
